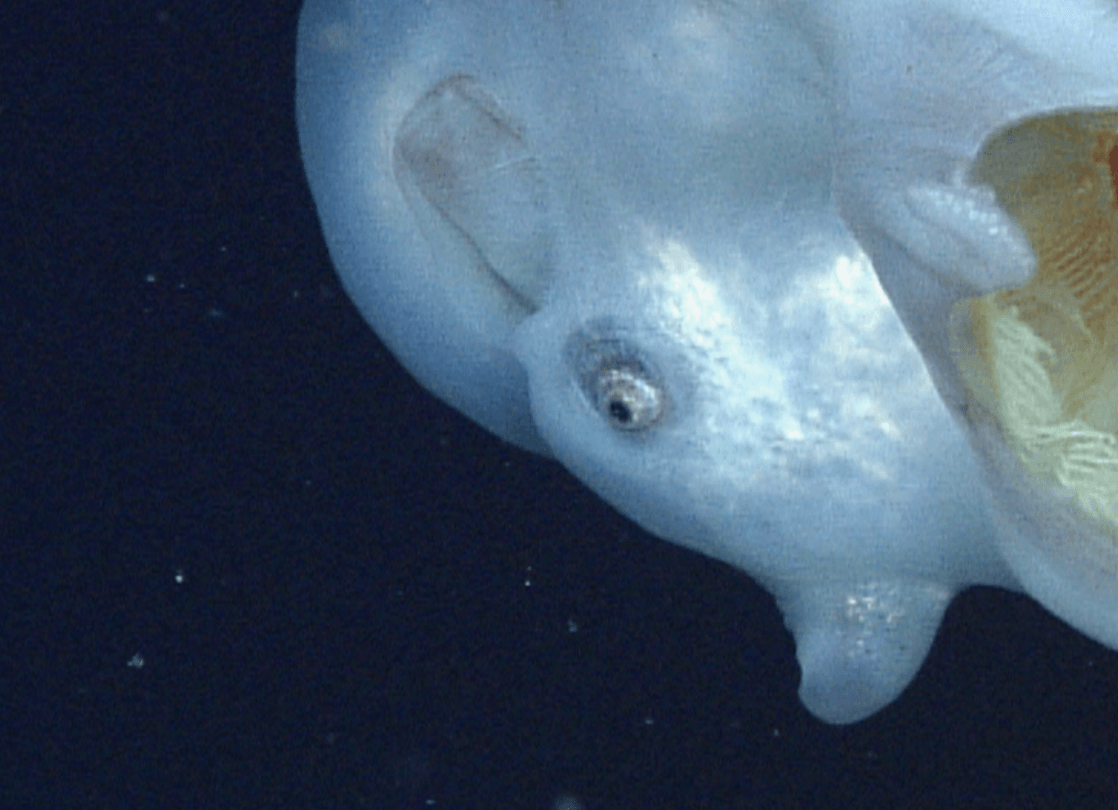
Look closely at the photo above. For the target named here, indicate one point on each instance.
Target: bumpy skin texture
(607, 233)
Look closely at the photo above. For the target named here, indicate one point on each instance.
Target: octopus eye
(618, 379)
(1041, 360)
(627, 396)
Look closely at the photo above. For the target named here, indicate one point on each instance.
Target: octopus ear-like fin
(460, 153)
(859, 644)
(431, 200)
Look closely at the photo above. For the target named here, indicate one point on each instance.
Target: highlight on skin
(1041, 360)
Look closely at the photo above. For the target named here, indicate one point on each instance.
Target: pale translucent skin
(917, 89)
(546, 209)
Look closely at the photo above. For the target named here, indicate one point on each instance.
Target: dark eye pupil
(620, 412)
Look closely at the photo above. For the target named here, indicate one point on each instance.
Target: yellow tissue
(1041, 360)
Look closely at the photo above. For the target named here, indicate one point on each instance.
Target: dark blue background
(343, 594)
